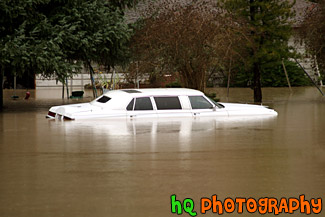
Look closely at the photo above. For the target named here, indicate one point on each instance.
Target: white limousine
(159, 102)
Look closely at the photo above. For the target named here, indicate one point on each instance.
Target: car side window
(199, 102)
(143, 103)
(167, 102)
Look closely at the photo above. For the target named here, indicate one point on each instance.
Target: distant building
(301, 8)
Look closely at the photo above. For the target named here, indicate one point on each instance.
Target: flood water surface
(101, 168)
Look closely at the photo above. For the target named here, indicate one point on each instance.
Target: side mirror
(214, 108)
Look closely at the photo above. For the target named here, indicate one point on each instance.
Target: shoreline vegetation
(245, 43)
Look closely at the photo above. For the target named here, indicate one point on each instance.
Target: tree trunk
(256, 70)
(1, 89)
(257, 84)
(197, 84)
(91, 70)
(193, 80)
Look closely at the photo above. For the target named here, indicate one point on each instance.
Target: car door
(201, 107)
(141, 107)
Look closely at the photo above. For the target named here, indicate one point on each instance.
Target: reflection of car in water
(183, 127)
(159, 102)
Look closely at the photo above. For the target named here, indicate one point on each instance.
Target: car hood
(254, 109)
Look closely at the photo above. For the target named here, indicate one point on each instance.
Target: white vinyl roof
(155, 92)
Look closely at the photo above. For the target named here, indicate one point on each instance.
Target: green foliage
(273, 75)
(269, 24)
(53, 38)
(267, 40)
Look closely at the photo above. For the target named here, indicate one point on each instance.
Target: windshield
(219, 105)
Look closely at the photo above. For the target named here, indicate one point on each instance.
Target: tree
(312, 31)
(190, 38)
(54, 38)
(273, 75)
(269, 28)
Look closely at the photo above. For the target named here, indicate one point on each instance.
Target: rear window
(130, 106)
(131, 91)
(143, 103)
(103, 99)
(165, 103)
(199, 102)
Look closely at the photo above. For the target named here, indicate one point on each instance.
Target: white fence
(77, 82)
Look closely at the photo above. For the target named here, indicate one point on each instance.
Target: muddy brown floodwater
(102, 168)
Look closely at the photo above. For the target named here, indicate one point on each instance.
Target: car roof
(155, 92)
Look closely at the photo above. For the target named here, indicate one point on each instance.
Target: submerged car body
(159, 102)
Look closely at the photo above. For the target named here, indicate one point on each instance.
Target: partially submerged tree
(54, 38)
(312, 31)
(269, 28)
(190, 38)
